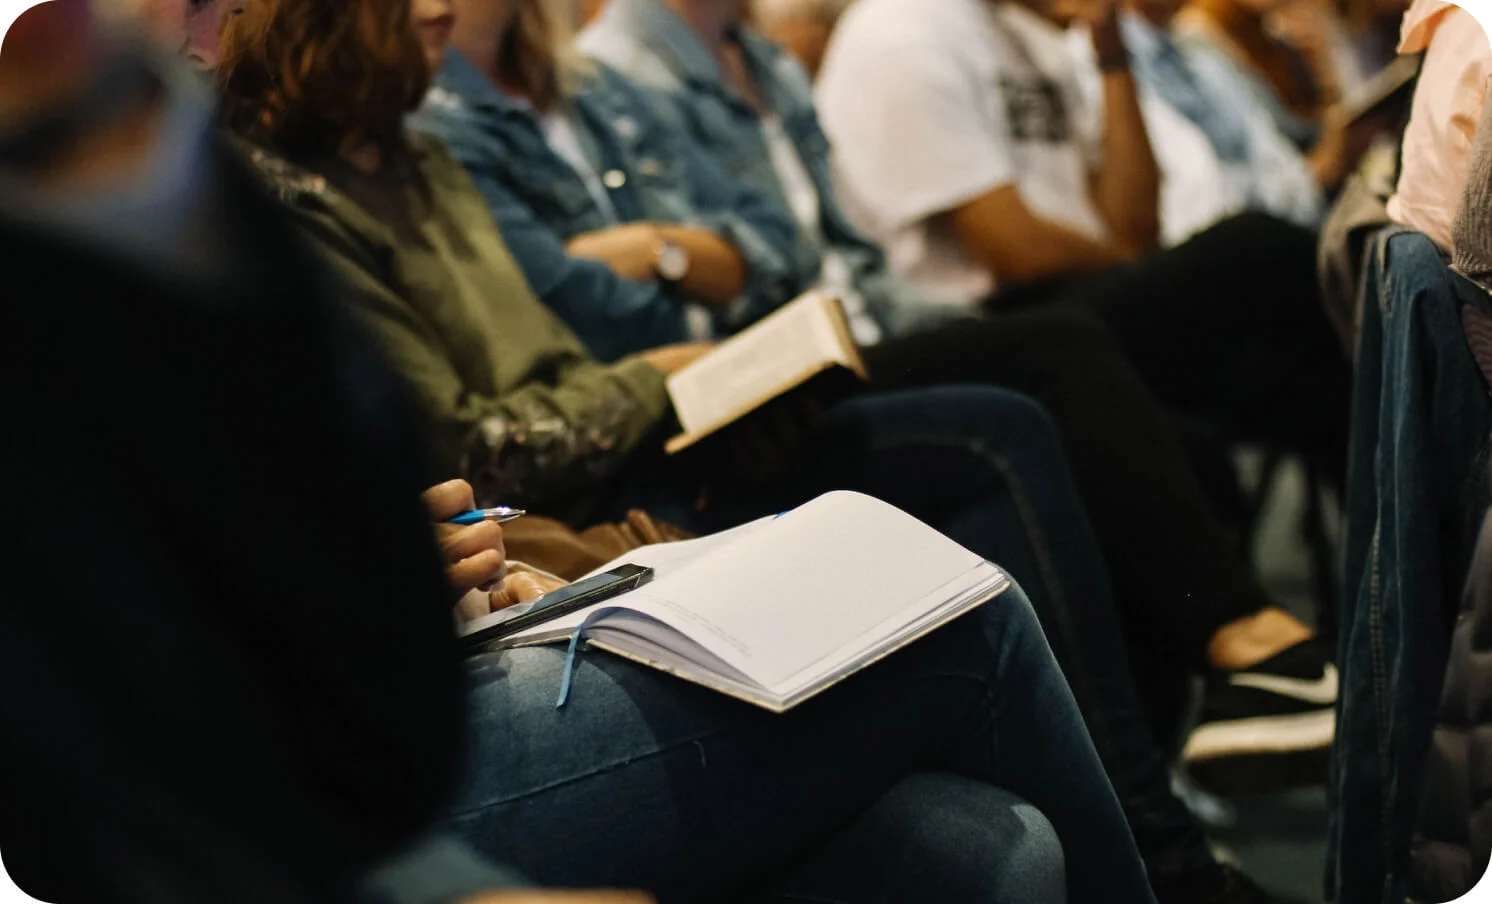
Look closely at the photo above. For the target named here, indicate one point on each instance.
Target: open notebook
(775, 611)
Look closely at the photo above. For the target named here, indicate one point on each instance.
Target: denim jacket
(651, 172)
(650, 44)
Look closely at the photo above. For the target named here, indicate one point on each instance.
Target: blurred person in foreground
(218, 696)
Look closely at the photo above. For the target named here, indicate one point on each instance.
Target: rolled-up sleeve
(613, 316)
(761, 230)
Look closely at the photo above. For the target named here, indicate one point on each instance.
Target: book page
(815, 581)
(663, 558)
(758, 364)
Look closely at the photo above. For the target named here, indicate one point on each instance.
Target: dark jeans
(1177, 575)
(1229, 326)
(986, 467)
(882, 789)
(1416, 495)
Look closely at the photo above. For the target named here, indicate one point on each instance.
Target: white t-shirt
(564, 139)
(1195, 191)
(835, 276)
(930, 105)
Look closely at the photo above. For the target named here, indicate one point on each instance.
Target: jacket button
(614, 179)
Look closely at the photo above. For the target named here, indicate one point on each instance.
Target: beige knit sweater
(1471, 237)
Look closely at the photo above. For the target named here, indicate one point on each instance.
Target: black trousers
(1226, 328)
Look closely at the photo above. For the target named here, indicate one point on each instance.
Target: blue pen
(502, 514)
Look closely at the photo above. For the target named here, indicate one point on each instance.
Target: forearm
(1060, 252)
(716, 272)
(1127, 187)
(544, 442)
(1000, 231)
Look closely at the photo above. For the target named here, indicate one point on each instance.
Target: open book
(806, 338)
(776, 611)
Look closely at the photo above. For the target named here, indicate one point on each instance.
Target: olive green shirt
(521, 410)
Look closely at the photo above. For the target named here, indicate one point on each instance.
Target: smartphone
(552, 605)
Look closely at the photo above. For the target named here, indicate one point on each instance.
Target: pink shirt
(1442, 123)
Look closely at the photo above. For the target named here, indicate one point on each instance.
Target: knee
(1000, 420)
(980, 843)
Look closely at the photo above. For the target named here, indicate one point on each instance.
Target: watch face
(673, 262)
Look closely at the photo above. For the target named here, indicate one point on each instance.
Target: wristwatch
(670, 260)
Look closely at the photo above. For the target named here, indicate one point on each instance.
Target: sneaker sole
(1262, 755)
(1261, 735)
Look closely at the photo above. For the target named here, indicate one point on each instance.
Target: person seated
(1443, 117)
(1298, 77)
(1417, 490)
(1219, 150)
(955, 206)
(227, 699)
(667, 846)
(1245, 635)
(1450, 850)
(1030, 207)
(751, 107)
(801, 27)
(667, 252)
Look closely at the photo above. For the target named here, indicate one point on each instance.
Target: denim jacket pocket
(664, 183)
(728, 142)
(557, 197)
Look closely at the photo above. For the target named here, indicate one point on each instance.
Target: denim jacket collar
(466, 93)
(460, 83)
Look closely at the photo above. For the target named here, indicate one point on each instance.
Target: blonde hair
(537, 55)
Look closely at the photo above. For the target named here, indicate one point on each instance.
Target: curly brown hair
(306, 76)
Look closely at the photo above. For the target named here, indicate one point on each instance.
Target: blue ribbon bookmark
(575, 641)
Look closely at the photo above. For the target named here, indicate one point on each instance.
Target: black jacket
(227, 670)
(1453, 840)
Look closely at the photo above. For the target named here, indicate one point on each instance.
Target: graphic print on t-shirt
(1035, 108)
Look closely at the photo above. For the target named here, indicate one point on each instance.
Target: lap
(658, 783)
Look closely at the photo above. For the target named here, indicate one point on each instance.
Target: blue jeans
(1415, 499)
(881, 789)
(986, 467)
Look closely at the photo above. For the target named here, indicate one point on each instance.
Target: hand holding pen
(471, 539)
(499, 515)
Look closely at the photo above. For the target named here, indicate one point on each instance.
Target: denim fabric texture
(892, 777)
(1416, 494)
(651, 172)
(986, 467)
(650, 44)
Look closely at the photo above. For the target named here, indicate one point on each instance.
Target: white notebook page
(785, 593)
